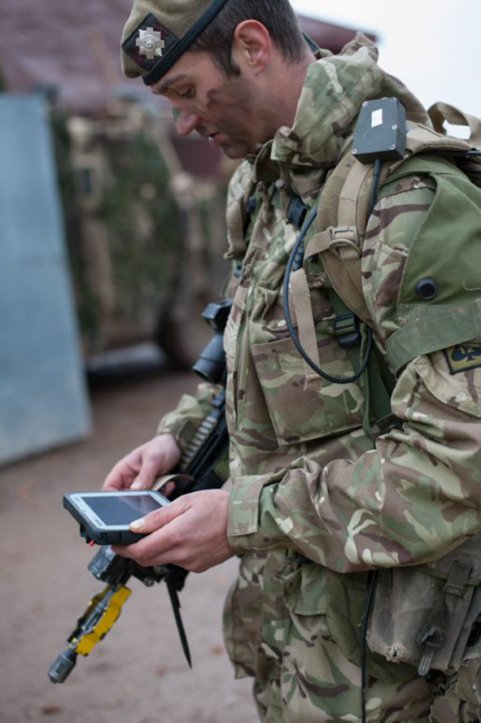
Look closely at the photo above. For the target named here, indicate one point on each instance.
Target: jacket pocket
(303, 409)
(427, 615)
(328, 609)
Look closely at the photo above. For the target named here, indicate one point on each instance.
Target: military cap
(158, 32)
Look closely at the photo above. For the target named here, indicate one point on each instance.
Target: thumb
(159, 518)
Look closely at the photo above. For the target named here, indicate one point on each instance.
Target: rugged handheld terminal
(105, 517)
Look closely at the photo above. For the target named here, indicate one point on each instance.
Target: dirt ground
(137, 674)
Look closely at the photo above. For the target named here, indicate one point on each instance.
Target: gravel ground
(138, 673)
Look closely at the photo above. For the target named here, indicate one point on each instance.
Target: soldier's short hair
(276, 15)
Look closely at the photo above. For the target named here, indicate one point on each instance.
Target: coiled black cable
(294, 263)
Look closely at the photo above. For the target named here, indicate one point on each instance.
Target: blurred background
(111, 239)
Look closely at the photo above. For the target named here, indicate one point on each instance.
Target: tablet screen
(121, 510)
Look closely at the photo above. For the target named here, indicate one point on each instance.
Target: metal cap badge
(150, 43)
(152, 46)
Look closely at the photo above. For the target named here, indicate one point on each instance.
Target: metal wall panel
(43, 397)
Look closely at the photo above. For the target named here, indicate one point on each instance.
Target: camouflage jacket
(306, 479)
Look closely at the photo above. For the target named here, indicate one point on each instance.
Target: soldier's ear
(252, 45)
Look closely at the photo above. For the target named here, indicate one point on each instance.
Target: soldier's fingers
(119, 478)
(159, 518)
(146, 476)
(123, 473)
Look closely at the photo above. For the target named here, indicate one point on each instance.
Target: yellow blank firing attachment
(98, 619)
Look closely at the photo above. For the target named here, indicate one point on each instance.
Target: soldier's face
(230, 112)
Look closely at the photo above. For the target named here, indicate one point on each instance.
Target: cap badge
(150, 43)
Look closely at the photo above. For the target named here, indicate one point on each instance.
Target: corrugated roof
(71, 45)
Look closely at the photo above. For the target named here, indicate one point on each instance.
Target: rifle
(196, 471)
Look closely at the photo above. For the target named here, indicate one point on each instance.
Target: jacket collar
(333, 92)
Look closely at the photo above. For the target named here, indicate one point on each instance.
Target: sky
(433, 46)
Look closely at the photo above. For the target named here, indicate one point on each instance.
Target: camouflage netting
(123, 227)
(145, 239)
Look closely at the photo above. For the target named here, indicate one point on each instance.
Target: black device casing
(380, 131)
(93, 533)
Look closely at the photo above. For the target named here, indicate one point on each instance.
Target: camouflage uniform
(315, 502)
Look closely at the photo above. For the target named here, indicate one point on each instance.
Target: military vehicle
(144, 237)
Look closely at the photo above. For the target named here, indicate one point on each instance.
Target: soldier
(357, 595)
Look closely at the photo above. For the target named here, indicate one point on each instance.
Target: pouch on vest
(430, 615)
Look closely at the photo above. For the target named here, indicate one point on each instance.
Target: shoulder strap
(340, 226)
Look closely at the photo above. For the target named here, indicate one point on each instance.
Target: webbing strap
(381, 384)
(378, 383)
(430, 328)
(440, 112)
(355, 195)
(422, 139)
(340, 255)
(342, 219)
(301, 301)
(235, 225)
(352, 195)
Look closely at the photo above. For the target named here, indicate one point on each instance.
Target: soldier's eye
(187, 94)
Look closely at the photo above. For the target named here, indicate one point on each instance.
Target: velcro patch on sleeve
(462, 357)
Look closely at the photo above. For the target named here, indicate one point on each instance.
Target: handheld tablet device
(104, 517)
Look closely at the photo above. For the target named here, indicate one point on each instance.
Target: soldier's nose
(185, 123)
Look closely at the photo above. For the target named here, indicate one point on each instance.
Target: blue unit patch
(463, 357)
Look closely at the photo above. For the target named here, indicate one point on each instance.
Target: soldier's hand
(190, 532)
(139, 469)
